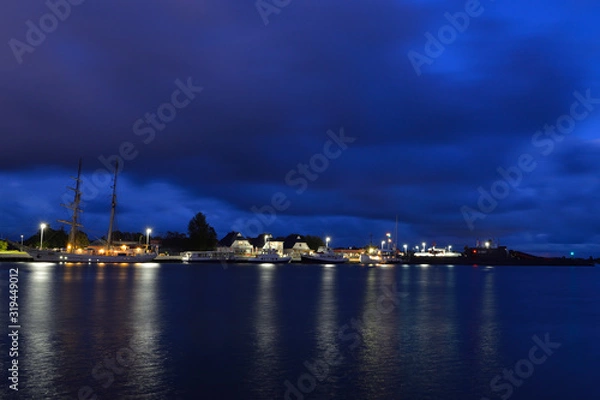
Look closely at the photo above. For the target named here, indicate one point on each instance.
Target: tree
(52, 238)
(175, 242)
(314, 242)
(3, 245)
(81, 240)
(57, 239)
(202, 235)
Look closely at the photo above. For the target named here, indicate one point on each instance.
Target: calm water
(173, 331)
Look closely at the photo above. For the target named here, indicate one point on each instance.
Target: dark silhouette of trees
(314, 241)
(175, 242)
(202, 236)
(57, 238)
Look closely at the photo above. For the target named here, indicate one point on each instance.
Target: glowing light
(42, 227)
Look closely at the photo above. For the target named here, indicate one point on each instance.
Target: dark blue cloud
(424, 144)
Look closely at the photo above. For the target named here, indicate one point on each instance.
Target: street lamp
(21, 242)
(382, 243)
(148, 232)
(42, 227)
(327, 240)
(405, 248)
(423, 246)
(449, 248)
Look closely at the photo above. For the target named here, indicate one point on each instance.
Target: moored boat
(270, 256)
(208, 256)
(324, 255)
(92, 256)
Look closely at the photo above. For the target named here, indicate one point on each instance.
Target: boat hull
(58, 256)
(307, 259)
(207, 257)
(278, 260)
(508, 261)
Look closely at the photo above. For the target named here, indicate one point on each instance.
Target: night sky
(465, 120)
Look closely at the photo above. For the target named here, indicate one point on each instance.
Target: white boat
(324, 255)
(437, 252)
(369, 259)
(92, 256)
(110, 253)
(208, 256)
(270, 256)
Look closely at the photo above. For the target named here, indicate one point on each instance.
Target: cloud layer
(424, 144)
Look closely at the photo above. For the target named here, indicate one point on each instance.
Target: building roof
(291, 240)
(260, 242)
(230, 238)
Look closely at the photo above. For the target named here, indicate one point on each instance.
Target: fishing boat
(109, 253)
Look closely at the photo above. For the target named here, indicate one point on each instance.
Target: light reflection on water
(266, 332)
(447, 335)
(38, 357)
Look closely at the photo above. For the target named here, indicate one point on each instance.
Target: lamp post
(423, 246)
(450, 248)
(148, 232)
(21, 242)
(42, 227)
(405, 249)
(327, 240)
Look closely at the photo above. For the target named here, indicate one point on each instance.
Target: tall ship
(108, 253)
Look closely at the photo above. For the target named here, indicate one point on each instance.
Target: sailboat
(92, 254)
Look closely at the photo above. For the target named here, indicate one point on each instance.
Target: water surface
(177, 331)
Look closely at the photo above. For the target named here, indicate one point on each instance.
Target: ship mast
(74, 206)
(396, 235)
(112, 210)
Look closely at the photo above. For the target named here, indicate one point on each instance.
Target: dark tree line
(56, 238)
(200, 236)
